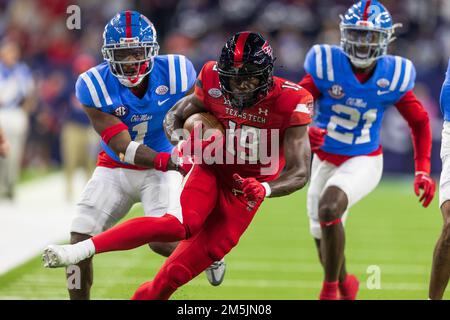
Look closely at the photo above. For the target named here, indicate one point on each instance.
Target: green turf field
(276, 257)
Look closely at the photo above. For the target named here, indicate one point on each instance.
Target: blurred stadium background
(276, 259)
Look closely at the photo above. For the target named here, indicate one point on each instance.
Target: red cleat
(349, 288)
(329, 291)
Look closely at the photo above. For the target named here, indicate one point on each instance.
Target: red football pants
(230, 215)
(198, 199)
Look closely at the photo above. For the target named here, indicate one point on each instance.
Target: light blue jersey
(445, 95)
(16, 84)
(171, 77)
(351, 111)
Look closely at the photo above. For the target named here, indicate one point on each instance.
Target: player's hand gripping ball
(210, 124)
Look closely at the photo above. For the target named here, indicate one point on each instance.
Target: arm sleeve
(415, 114)
(308, 83)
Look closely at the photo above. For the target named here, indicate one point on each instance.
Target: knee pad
(218, 249)
(177, 275)
(192, 223)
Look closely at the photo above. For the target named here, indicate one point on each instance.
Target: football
(208, 120)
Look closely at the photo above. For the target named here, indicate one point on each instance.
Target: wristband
(131, 152)
(161, 161)
(267, 187)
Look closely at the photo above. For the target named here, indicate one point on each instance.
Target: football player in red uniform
(218, 201)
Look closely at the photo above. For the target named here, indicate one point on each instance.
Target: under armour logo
(263, 111)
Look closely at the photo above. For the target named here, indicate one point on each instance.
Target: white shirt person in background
(16, 101)
(4, 145)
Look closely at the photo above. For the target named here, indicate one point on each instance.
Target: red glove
(194, 145)
(316, 137)
(253, 189)
(173, 161)
(423, 181)
(185, 153)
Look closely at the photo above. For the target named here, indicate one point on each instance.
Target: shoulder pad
(319, 61)
(181, 73)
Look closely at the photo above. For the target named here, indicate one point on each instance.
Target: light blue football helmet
(129, 46)
(366, 31)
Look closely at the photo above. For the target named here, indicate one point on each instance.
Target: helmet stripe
(128, 23)
(240, 47)
(366, 10)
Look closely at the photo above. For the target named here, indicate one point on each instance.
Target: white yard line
(40, 215)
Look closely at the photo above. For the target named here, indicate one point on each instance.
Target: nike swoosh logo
(379, 92)
(160, 103)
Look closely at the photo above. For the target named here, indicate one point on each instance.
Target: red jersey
(250, 146)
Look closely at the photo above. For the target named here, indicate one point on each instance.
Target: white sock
(84, 249)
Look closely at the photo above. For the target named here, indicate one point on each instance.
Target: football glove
(316, 137)
(184, 154)
(253, 189)
(423, 181)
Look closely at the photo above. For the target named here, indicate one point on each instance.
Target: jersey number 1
(141, 130)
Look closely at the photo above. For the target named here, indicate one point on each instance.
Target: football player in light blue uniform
(440, 271)
(353, 85)
(129, 95)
